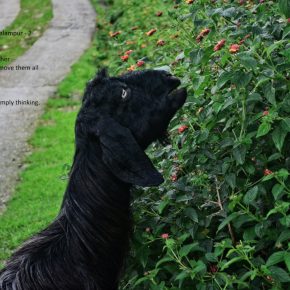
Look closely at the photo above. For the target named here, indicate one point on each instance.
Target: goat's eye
(124, 94)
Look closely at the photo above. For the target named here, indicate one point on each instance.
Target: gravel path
(68, 35)
(8, 12)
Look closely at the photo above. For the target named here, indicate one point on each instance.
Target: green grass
(32, 20)
(38, 195)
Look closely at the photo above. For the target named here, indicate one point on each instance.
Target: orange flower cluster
(165, 236)
(125, 57)
(234, 48)
(182, 128)
(243, 40)
(114, 34)
(219, 45)
(140, 63)
(265, 113)
(202, 34)
(151, 31)
(131, 68)
(128, 52)
(267, 172)
(160, 42)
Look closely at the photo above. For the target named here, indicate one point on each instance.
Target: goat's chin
(178, 96)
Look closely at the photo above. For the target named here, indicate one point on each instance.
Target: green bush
(221, 220)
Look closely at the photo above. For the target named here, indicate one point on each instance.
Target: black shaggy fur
(85, 246)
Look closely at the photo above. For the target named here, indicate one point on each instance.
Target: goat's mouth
(177, 98)
(176, 95)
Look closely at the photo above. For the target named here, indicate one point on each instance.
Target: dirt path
(68, 35)
(8, 12)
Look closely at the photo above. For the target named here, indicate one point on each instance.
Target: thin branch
(222, 208)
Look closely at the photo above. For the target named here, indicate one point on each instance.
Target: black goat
(85, 246)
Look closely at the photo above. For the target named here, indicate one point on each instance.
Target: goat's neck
(97, 208)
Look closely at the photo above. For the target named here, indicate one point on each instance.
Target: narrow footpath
(8, 12)
(39, 71)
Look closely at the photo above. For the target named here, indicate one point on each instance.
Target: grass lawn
(32, 20)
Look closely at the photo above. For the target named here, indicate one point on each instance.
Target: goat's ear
(102, 73)
(123, 155)
(99, 78)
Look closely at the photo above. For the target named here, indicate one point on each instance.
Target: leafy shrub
(221, 220)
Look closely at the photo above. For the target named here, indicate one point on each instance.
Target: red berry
(159, 13)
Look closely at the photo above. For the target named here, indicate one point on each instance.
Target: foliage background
(221, 220)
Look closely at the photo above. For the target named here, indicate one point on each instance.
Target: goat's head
(127, 113)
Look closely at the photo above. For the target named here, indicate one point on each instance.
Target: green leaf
(284, 6)
(286, 53)
(164, 260)
(247, 61)
(279, 274)
(192, 214)
(228, 220)
(231, 180)
(239, 154)
(284, 236)
(277, 190)
(278, 137)
(283, 173)
(223, 79)
(251, 195)
(275, 258)
(263, 129)
(272, 47)
(182, 275)
(275, 156)
(229, 12)
(185, 250)
(287, 260)
(211, 257)
(286, 124)
(200, 267)
(162, 205)
(232, 261)
(269, 93)
(241, 79)
(196, 56)
(260, 228)
(164, 67)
